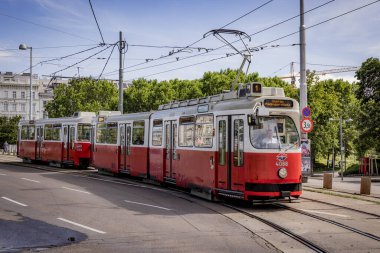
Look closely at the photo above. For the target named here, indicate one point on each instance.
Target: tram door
(171, 150)
(230, 152)
(40, 134)
(125, 147)
(68, 145)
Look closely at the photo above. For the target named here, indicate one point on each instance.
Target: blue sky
(69, 27)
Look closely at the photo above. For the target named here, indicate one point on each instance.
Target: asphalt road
(66, 212)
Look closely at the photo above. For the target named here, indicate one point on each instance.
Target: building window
(6, 94)
(23, 94)
(34, 108)
(14, 107)
(34, 95)
(23, 107)
(6, 107)
(14, 94)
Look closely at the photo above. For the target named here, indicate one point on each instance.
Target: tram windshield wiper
(278, 138)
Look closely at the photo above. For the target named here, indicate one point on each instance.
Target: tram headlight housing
(282, 173)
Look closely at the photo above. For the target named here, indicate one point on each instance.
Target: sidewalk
(348, 185)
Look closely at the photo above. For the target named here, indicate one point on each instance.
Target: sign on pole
(306, 112)
(307, 125)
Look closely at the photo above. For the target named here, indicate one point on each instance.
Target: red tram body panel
(62, 141)
(242, 144)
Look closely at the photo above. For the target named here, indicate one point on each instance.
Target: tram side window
(84, 132)
(186, 131)
(27, 132)
(157, 132)
(204, 131)
(111, 133)
(138, 133)
(101, 133)
(53, 132)
(238, 142)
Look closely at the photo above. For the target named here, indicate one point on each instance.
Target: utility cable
(195, 42)
(101, 35)
(105, 65)
(47, 27)
(233, 54)
(81, 60)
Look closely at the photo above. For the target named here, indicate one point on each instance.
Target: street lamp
(341, 141)
(25, 47)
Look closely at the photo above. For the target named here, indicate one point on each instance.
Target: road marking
(334, 214)
(137, 203)
(14, 201)
(67, 188)
(82, 226)
(31, 180)
(1, 174)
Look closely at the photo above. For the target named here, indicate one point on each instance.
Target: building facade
(14, 95)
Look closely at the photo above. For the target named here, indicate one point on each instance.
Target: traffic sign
(307, 125)
(306, 112)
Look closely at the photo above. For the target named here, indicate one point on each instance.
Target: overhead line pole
(121, 47)
(303, 86)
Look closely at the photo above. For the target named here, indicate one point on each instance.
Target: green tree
(330, 99)
(368, 117)
(8, 129)
(82, 94)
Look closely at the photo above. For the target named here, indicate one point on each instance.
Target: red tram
(242, 144)
(58, 141)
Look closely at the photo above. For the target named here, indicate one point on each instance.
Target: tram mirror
(251, 119)
(262, 111)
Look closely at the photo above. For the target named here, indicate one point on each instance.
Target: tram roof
(78, 117)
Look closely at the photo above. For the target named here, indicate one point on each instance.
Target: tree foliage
(331, 99)
(8, 129)
(82, 94)
(368, 117)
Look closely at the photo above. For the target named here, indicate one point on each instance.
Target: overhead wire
(202, 38)
(282, 37)
(105, 65)
(81, 60)
(96, 20)
(47, 27)
(206, 52)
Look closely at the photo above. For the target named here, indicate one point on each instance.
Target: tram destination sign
(278, 103)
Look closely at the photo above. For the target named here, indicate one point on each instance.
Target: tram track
(309, 244)
(341, 225)
(343, 207)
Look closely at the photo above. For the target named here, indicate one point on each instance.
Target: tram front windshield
(277, 132)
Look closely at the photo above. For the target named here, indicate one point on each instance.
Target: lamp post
(341, 121)
(25, 47)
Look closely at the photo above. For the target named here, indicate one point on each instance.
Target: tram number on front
(307, 125)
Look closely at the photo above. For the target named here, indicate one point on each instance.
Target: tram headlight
(282, 173)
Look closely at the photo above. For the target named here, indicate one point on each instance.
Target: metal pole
(30, 88)
(121, 47)
(341, 147)
(333, 160)
(303, 87)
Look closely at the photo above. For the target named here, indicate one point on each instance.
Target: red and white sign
(307, 125)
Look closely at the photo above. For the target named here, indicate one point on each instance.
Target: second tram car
(58, 141)
(242, 144)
